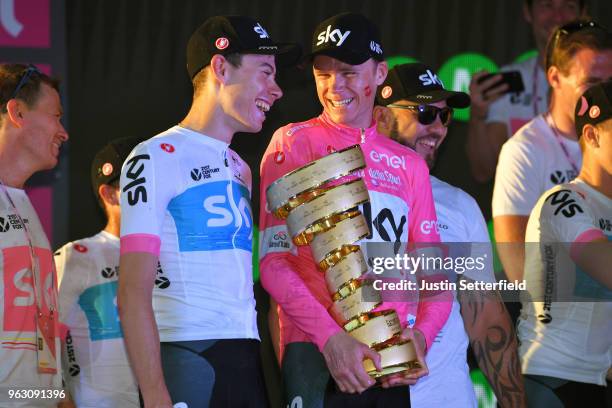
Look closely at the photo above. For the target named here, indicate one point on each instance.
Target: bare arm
(136, 280)
(510, 238)
(484, 140)
(494, 343)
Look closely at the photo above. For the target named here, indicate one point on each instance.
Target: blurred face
(604, 152)
(586, 68)
(43, 132)
(347, 91)
(545, 15)
(251, 90)
(423, 139)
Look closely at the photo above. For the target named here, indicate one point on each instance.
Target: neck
(113, 225)
(209, 119)
(563, 121)
(596, 177)
(15, 168)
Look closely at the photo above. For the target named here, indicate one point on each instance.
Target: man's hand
(483, 93)
(410, 377)
(344, 358)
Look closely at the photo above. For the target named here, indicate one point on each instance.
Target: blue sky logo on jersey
(213, 216)
(99, 303)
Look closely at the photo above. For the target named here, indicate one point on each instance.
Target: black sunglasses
(426, 114)
(567, 29)
(29, 71)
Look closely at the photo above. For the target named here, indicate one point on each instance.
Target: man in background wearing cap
(348, 66)
(545, 152)
(185, 201)
(566, 346)
(97, 371)
(416, 111)
(31, 134)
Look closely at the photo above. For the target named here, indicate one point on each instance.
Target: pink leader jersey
(401, 209)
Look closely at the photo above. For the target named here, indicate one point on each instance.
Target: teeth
(263, 106)
(428, 142)
(342, 102)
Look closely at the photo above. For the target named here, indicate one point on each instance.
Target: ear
(382, 69)
(219, 68)
(108, 195)
(384, 119)
(553, 75)
(15, 109)
(590, 135)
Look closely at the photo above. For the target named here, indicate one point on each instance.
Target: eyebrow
(267, 64)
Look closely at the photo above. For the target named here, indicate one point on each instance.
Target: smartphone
(512, 78)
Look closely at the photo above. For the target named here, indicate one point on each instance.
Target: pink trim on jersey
(140, 243)
(587, 236)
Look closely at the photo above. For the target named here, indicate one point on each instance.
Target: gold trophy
(322, 213)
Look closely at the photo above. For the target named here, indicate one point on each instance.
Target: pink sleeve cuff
(587, 236)
(148, 243)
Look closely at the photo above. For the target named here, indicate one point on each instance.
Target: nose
(62, 133)
(336, 82)
(275, 90)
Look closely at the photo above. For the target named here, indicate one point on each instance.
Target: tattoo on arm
(494, 344)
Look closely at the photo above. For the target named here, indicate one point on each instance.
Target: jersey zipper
(362, 133)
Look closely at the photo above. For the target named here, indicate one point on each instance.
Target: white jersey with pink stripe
(400, 210)
(186, 197)
(564, 339)
(18, 358)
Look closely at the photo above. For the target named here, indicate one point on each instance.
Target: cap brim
(287, 54)
(345, 56)
(453, 99)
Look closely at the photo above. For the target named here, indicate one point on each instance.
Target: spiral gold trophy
(323, 214)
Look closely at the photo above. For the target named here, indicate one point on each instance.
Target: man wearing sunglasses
(415, 110)
(31, 134)
(545, 152)
(348, 65)
(496, 114)
(98, 373)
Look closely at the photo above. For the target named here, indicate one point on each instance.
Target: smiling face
(250, 91)
(423, 139)
(347, 92)
(545, 15)
(43, 132)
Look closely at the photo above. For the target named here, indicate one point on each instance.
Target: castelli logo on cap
(330, 149)
(107, 169)
(279, 157)
(167, 147)
(222, 43)
(386, 92)
(80, 248)
(594, 112)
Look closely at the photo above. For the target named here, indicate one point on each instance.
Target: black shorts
(308, 384)
(551, 392)
(214, 373)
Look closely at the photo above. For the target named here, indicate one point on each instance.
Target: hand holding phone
(512, 78)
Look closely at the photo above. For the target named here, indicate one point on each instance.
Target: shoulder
(563, 200)
(533, 136)
(296, 132)
(80, 248)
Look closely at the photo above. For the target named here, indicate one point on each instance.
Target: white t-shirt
(530, 163)
(186, 197)
(448, 383)
(98, 373)
(18, 355)
(570, 340)
(515, 110)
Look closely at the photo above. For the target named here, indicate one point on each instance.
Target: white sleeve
(70, 278)
(517, 178)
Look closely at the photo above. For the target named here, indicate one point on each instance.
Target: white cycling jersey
(18, 349)
(186, 197)
(570, 340)
(96, 367)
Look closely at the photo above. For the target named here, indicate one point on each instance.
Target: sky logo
(213, 216)
(99, 303)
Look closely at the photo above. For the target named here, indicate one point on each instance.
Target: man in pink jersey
(348, 66)
(31, 134)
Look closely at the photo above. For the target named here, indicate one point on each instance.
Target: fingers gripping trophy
(319, 204)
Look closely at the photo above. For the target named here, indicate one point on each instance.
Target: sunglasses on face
(29, 71)
(426, 114)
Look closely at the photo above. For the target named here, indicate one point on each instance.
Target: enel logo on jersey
(213, 216)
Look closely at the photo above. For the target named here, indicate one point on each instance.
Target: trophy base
(394, 359)
(394, 369)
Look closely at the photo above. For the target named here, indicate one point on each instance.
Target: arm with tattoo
(494, 344)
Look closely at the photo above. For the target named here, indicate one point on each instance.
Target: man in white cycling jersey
(96, 366)
(565, 326)
(190, 327)
(415, 110)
